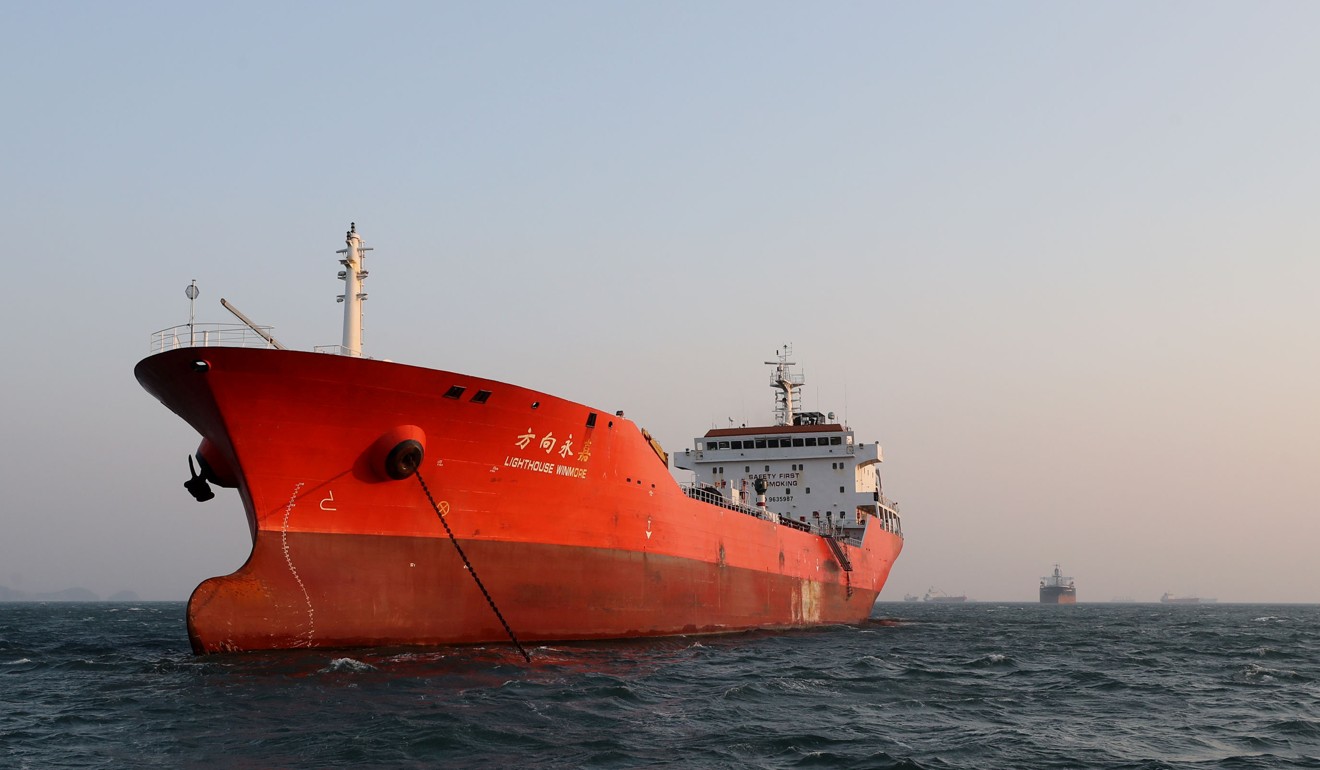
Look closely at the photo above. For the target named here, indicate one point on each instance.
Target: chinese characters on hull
(549, 444)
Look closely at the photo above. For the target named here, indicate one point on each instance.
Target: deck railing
(826, 529)
(208, 335)
(707, 495)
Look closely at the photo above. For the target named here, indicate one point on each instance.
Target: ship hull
(1050, 595)
(354, 590)
(567, 514)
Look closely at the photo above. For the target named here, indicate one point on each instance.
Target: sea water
(919, 686)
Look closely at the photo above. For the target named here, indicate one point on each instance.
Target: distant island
(67, 595)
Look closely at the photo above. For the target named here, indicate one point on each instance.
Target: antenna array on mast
(353, 275)
(788, 401)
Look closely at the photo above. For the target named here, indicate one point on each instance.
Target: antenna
(192, 291)
(845, 394)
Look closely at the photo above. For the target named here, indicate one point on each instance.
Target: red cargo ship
(395, 505)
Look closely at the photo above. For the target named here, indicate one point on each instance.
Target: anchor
(197, 486)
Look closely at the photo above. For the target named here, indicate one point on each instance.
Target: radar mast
(788, 401)
(353, 275)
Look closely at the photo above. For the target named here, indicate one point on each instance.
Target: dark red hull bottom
(341, 590)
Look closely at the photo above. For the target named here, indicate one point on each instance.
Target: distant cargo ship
(1169, 598)
(936, 595)
(1057, 589)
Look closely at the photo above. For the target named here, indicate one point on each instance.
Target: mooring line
(468, 564)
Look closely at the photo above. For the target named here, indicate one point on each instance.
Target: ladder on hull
(842, 558)
(839, 554)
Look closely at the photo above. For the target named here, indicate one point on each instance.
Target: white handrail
(208, 335)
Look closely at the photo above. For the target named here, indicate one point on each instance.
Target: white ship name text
(541, 466)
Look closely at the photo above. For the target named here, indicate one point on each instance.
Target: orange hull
(566, 513)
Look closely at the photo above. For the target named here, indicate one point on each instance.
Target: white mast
(789, 399)
(353, 275)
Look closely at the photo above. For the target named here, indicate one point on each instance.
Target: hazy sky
(1061, 259)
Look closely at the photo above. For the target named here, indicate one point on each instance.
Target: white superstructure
(815, 474)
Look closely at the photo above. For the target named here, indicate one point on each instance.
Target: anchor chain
(470, 570)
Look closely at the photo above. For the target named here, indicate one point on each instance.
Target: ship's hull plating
(1052, 595)
(363, 590)
(566, 513)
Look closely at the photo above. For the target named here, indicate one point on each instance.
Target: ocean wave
(1296, 728)
(992, 660)
(1255, 672)
(976, 689)
(339, 665)
(1264, 651)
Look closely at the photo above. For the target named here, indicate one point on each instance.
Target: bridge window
(712, 445)
(454, 391)
(835, 441)
(724, 445)
(840, 489)
(811, 441)
(735, 445)
(760, 443)
(481, 396)
(797, 442)
(774, 443)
